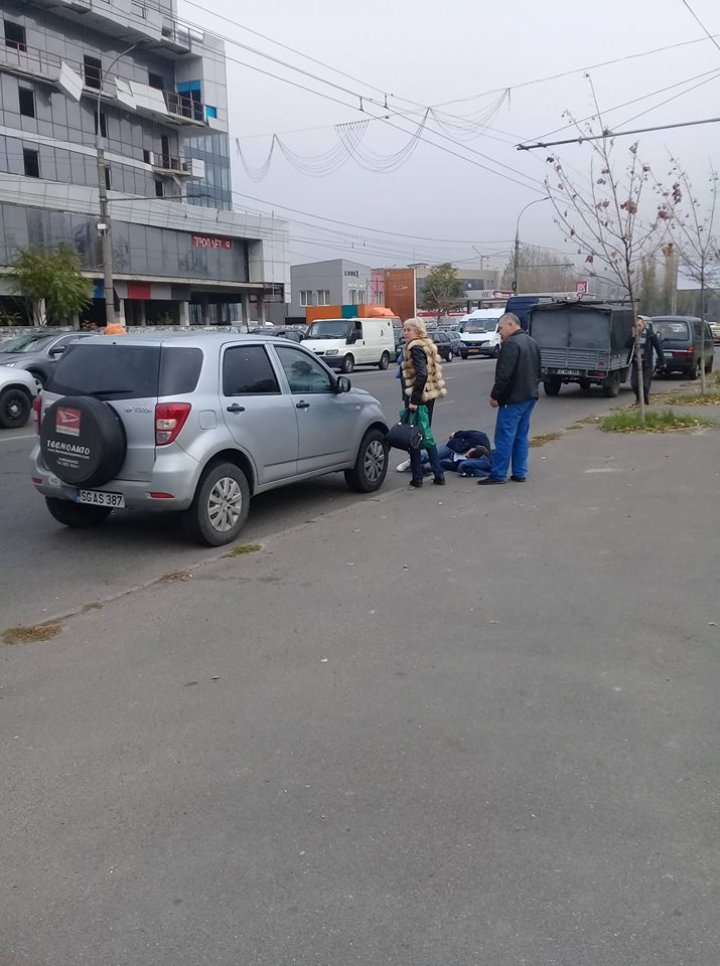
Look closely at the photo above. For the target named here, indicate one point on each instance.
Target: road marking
(11, 439)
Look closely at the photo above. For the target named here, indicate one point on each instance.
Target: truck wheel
(14, 408)
(370, 469)
(611, 385)
(348, 364)
(384, 361)
(220, 508)
(76, 514)
(552, 385)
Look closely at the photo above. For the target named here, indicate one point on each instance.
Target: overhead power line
(700, 23)
(616, 134)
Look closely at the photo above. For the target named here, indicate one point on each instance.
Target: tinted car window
(303, 372)
(108, 371)
(671, 330)
(179, 370)
(247, 372)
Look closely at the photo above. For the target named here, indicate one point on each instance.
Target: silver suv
(199, 424)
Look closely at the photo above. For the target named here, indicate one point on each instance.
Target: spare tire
(82, 441)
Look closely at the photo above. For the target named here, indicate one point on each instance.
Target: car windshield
(27, 343)
(328, 329)
(671, 329)
(480, 325)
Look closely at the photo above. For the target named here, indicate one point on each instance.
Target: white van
(478, 331)
(346, 343)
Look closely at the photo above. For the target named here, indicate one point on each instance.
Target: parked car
(197, 424)
(38, 351)
(18, 388)
(687, 344)
(444, 344)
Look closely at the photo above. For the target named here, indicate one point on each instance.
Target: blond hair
(418, 325)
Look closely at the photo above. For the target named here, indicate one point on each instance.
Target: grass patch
(32, 633)
(243, 548)
(547, 438)
(656, 421)
(711, 398)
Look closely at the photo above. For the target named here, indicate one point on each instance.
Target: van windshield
(665, 329)
(329, 329)
(474, 326)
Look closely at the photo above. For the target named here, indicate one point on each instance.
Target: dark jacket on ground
(464, 439)
(517, 373)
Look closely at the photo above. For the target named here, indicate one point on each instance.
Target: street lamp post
(516, 260)
(104, 222)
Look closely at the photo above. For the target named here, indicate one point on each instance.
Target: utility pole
(516, 257)
(103, 225)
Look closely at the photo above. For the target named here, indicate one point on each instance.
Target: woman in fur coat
(423, 383)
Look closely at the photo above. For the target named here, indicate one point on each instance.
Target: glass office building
(153, 93)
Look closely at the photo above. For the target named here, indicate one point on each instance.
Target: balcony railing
(179, 167)
(21, 59)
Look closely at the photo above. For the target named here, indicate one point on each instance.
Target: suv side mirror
(57, 350)
(343, 384)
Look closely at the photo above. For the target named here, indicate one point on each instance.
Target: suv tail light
(37, 409)
(169, 420)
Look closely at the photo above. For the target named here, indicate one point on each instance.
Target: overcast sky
(466, 52)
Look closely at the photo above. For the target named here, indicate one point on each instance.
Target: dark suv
(687, 344)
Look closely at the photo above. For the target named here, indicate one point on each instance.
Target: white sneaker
(403, 467)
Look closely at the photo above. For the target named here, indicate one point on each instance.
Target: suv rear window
(126, 371)
(671, 330)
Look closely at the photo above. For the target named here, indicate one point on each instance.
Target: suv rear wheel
(221, 505)
(76, 514)
(370, 469)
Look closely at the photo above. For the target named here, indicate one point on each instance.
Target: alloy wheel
(225, 504)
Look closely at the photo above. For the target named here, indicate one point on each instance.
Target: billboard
(400, 292)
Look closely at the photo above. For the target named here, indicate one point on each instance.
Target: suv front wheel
(370, 469)
(221, 505)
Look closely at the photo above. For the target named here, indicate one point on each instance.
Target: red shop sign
(210, 241)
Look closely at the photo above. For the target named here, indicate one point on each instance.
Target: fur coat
(435, 384)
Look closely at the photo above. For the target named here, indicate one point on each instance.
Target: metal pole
(516, 259)
(104, 207)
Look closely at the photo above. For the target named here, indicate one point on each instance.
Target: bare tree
(695, 239)
(604, 219)
(542, 270)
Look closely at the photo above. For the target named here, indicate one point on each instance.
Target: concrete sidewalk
(459, 726)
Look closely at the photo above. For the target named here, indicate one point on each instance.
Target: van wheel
(552, 385)
(370, 469)
(348, 364)
(694, 373)
(76, 514)
(384, 361)
(496, 353)
(220, 507)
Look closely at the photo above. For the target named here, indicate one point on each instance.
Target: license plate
(100, 498)
(568, 372)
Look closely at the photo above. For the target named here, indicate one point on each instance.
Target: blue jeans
(416, 463)
(512, 431)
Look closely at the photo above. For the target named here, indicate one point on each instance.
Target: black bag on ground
(405, 435)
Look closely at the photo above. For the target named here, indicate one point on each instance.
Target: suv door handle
(236, 408)
(302, 405)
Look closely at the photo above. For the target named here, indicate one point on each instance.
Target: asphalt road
(50, 570)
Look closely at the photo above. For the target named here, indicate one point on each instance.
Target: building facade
(127, 76)
(333, 282)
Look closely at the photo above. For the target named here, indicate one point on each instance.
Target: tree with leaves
(696, 241)
(443, 291)
(49, 280)
(605, 219)
(541, 271)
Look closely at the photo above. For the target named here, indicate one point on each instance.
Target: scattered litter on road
(323, 660)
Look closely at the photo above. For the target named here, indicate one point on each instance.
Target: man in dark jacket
(517, 375)
(650, 349)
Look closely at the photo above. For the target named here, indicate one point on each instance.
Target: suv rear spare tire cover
(82, 441)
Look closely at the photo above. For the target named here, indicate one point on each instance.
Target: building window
(31, 160)
(156, 81)
(26, 97)
(93, 72)
(159, 188)
(103, 123)
(323, 296)
(361, 297)
(108, 178)
(146, 156)
(210, 111)
(14, 36)
(353, 296)
(306, 297)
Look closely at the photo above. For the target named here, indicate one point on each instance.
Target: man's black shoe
(518, 479)
(491, 481)
(439, 481)
(416, 484)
